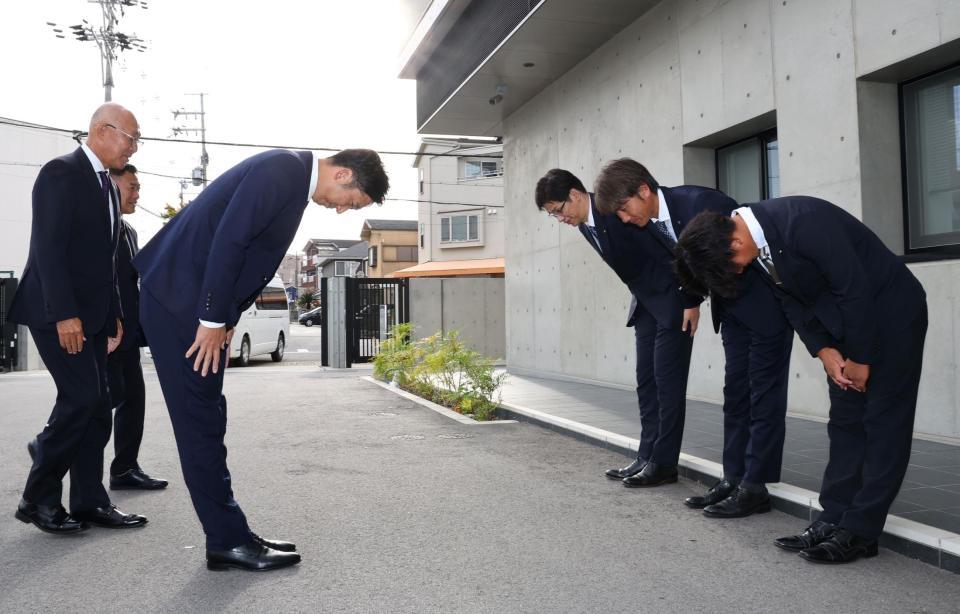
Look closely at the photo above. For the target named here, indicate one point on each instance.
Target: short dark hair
(368, 173)
(555, 186)
(704, 256)
(119, 172)
(619, 180)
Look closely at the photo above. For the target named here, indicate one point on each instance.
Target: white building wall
(442, 179)
(22, 152)
(686, 77)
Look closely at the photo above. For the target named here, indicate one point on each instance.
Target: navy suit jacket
(840, 285)
(212, 260)
(129, 290)
(643, 258)
(70, 271)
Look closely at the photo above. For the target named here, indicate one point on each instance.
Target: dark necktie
(661, 227)
(593, 234)
(105, 188)
(766, 261)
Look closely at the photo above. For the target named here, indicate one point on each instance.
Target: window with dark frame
(930, 110)
(749, 170)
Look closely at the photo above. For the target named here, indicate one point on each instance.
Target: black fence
(373, 306)
(8, 330)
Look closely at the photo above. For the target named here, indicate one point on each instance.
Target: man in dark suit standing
(861, 311)
(123, 361)
(198, 274)
(756, 338)
(68, 299)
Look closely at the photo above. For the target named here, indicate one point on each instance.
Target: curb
(440, 409)
(933, 546)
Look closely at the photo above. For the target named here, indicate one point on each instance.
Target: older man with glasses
(69, 300)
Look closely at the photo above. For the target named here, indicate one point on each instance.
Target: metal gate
(373, 306)
(8, 330)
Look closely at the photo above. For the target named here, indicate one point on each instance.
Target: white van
(263, 328)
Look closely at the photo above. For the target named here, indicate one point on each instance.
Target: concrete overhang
(548, 42)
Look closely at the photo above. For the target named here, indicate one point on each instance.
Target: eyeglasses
(134, 140)
(558, 212)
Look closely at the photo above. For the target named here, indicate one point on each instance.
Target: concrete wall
(473, 306)
(691, 75)
(22, 152)
(442, 183)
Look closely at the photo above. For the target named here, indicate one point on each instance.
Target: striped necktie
(766, 261)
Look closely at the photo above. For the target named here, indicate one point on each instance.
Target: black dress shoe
(274, 544)
(252, 556)
(111, 518)
(135, 479)
(811, 536)
(652, 476)
(632, 469)
(741, 503)
(49, 518)
(841, 547)
(717, 493)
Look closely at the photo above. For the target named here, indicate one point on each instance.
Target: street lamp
(107, 38)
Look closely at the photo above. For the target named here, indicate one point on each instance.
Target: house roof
(354, 252)
(453, 268)
(390, 224)
(339, 243)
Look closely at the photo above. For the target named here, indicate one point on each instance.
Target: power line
(76, 134)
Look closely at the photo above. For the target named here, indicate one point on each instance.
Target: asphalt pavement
(396, 508)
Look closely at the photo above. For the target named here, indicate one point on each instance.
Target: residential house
(313, 251)
(392, 245)
(350, 262)
(461, 221)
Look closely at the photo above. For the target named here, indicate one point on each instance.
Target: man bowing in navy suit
(861, 311)
(756, 340)
(198, 274)
(69, 300)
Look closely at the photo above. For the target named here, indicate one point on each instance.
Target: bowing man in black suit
(857, 308)
(68, 298)
(756, 337)
(123, 362)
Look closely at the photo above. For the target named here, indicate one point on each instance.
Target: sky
(289, 73)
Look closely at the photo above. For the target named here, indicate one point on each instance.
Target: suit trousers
(754, 401)
(78, 428)
(871, 434)
(663, 363)
(198, 412)
(128, 399)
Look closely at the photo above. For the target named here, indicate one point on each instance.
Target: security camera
(498, 97)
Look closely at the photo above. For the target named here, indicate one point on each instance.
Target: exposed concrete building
(392, 245)
(854, 101)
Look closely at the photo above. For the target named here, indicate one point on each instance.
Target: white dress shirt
(98, 168)
(664, 215)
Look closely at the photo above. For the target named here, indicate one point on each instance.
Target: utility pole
(108, 39)
(199, 173)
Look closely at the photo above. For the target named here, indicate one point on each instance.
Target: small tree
(169, 212)
(307, 299)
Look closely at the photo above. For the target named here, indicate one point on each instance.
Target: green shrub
(442, 369)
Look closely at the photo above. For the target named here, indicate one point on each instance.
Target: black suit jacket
(840, 285)
(127, 278)
(70, 269)
(643, 258)
(212, 260)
